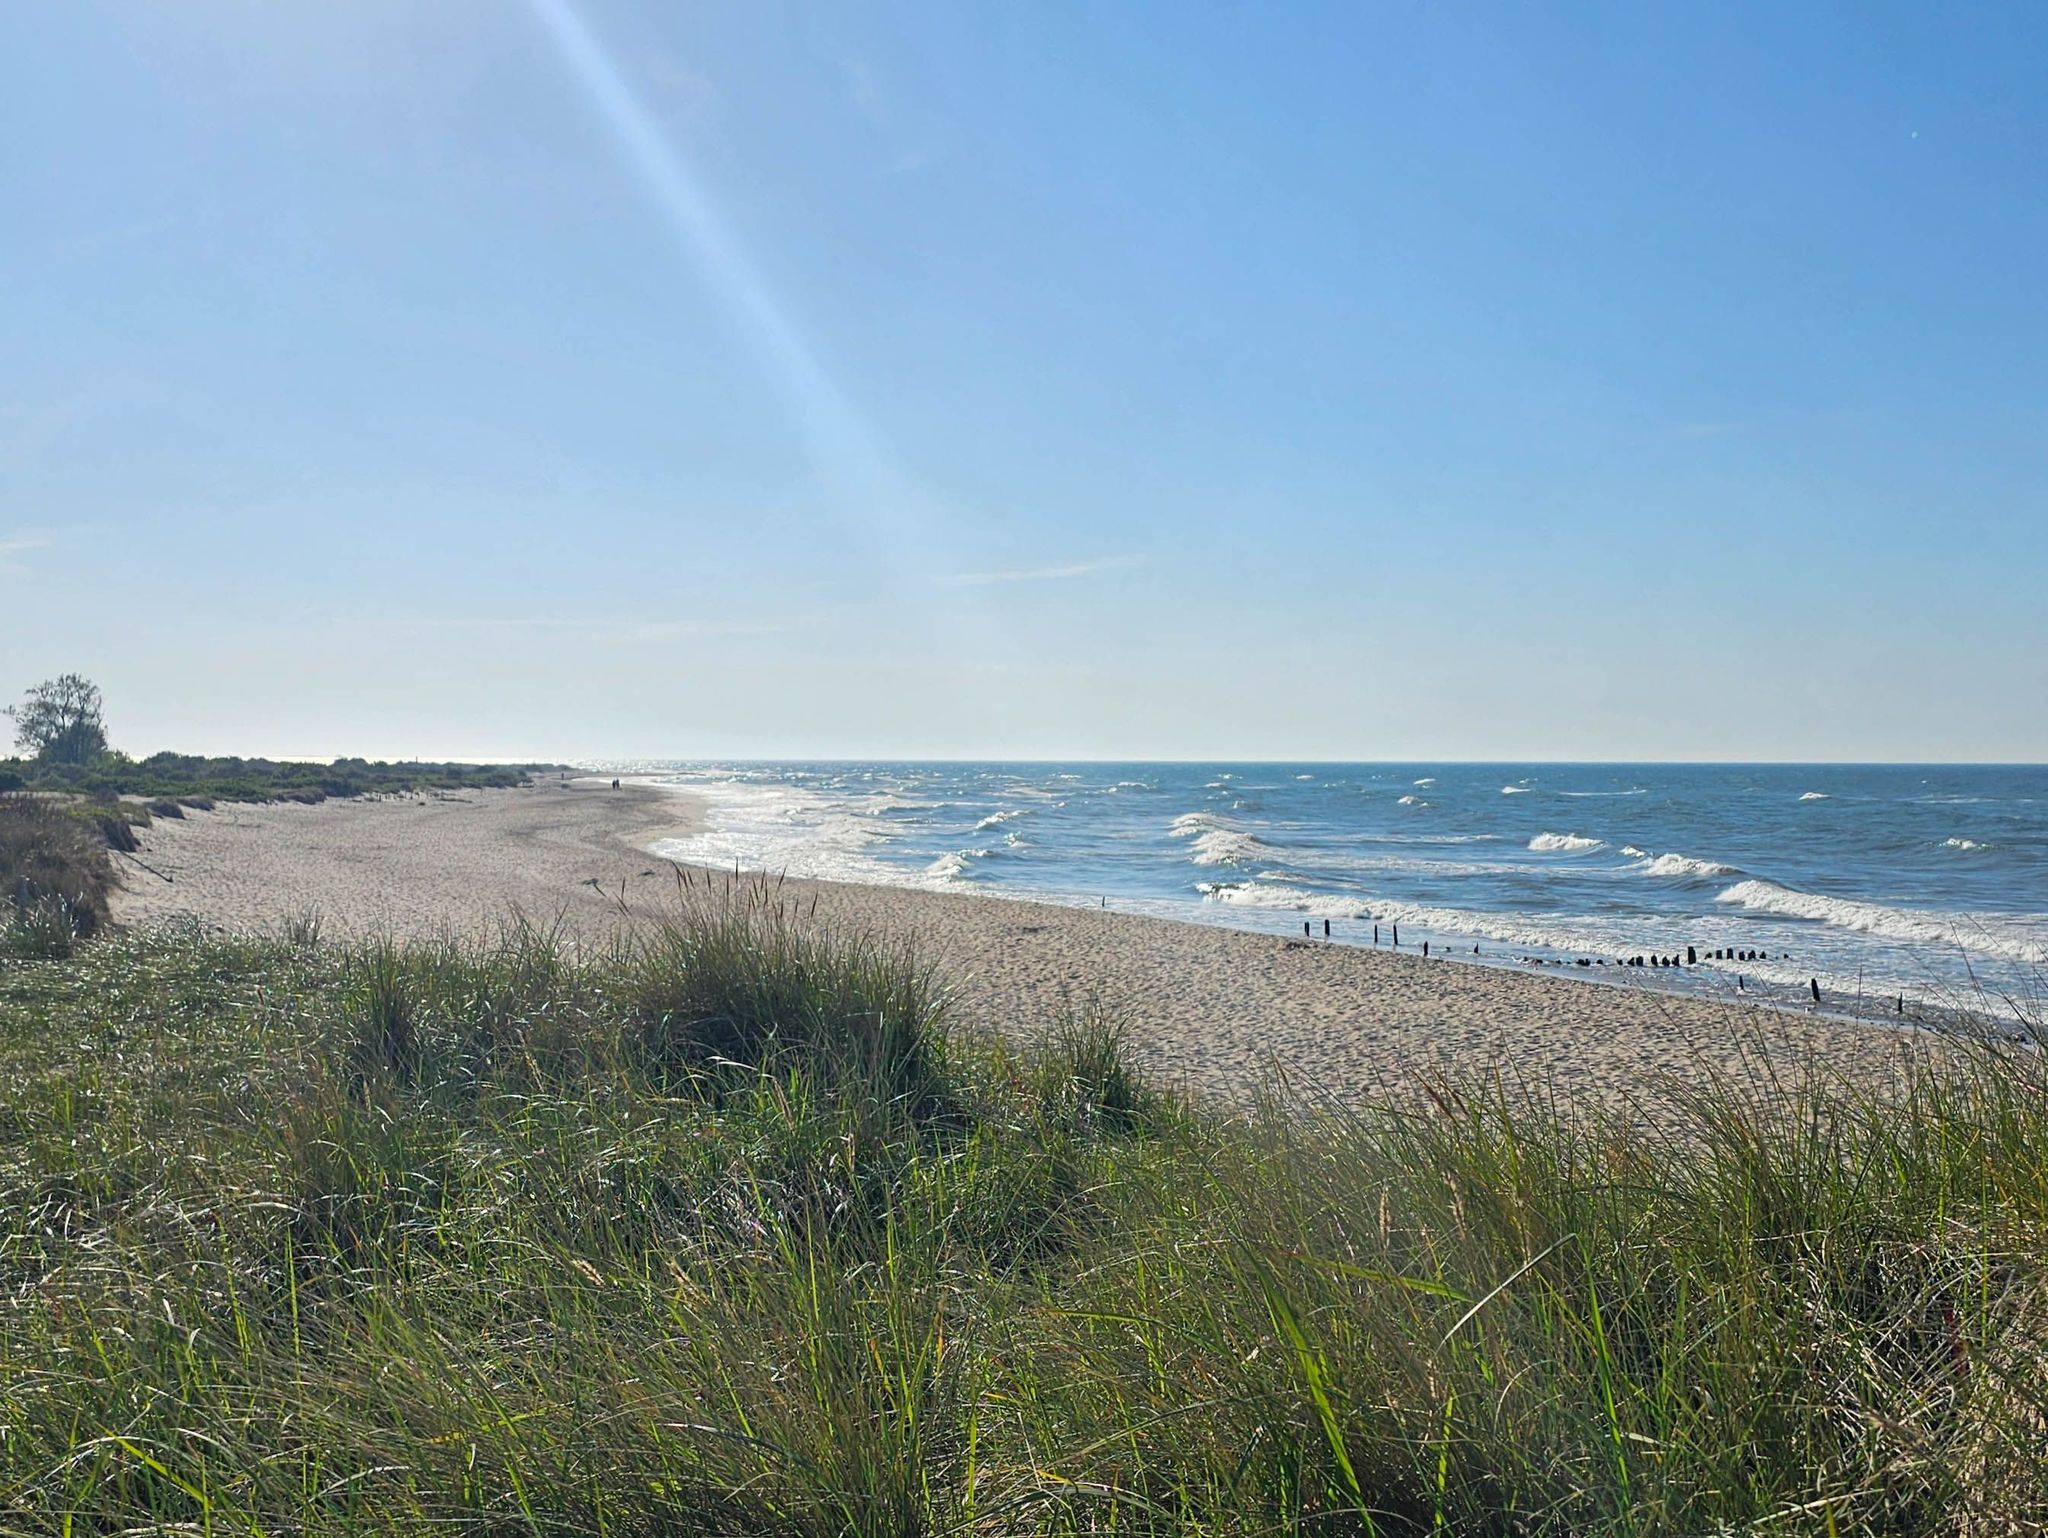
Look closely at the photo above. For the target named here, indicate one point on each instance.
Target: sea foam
(1568, 843)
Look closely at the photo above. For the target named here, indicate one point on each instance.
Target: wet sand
(1214, 1010)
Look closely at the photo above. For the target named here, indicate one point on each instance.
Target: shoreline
(1709, 983)
(1211, 1009)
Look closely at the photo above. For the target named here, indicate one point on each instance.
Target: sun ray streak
(857, 475)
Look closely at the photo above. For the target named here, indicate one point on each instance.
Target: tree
(59, 721)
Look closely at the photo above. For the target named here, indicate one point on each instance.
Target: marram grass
(723, 1231)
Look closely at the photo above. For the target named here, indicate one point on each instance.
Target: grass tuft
(746, 983)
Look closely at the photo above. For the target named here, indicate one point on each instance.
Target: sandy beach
(1211, 1009)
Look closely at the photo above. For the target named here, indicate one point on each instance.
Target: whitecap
(996, 819)
(1962, 843)
(1427, 779)
(1567, 843)
(1815, 795)
(1683, 865)
(1514, 790)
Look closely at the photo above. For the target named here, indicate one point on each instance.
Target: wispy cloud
(625, 631)
(15, 545)
(1043, 573)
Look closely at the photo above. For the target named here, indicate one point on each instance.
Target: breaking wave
(1890, 923)
(1569, 843)
(1514, 790)
(1680, 865)
(1962, 843)
(1261, 894)
(951, 867)
(1815, 795)
(1216, 842)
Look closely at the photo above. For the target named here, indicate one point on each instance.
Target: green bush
(196, 781)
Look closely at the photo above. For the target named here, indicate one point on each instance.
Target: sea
(1887, 889)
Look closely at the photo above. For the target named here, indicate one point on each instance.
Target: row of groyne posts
(1690, 959)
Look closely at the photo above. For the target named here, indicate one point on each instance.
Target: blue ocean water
(1878, 879)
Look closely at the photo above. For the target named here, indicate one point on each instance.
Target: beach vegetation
(726, 1227)
(197, 783)
(55, 876)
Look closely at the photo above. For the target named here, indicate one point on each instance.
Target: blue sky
(579, 377)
